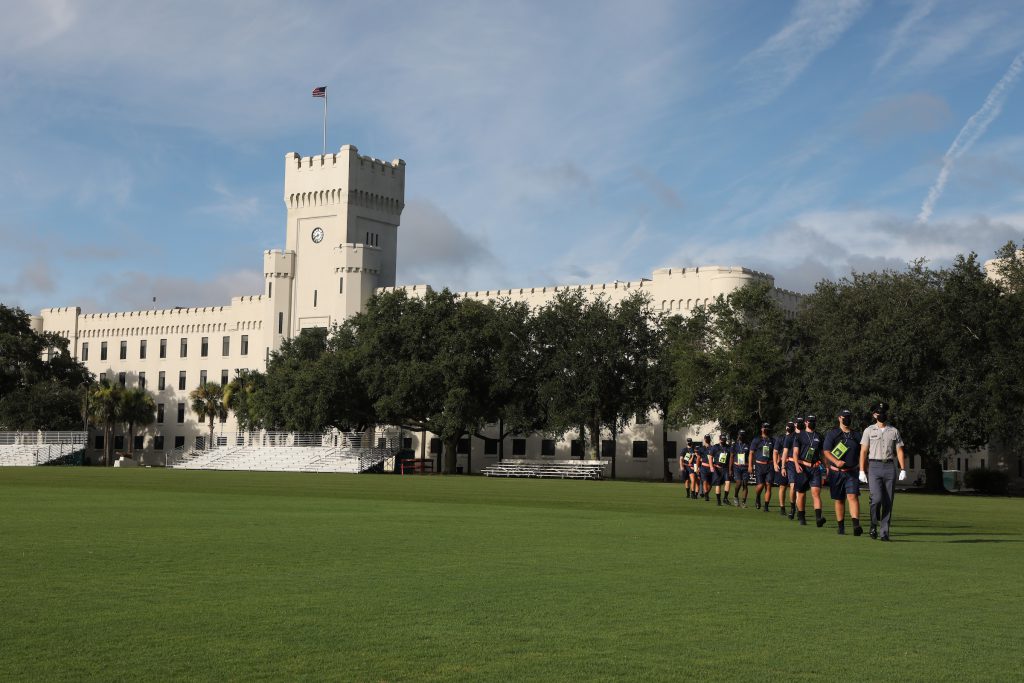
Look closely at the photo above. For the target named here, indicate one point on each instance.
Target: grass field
(155, 575)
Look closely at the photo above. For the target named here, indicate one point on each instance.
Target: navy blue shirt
(740, 454)
(844, 446)
(720, 455)
(704, 453)
(810, 447)
(762, 448)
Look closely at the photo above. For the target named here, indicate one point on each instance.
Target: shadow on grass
(986, 540)
(954, 533)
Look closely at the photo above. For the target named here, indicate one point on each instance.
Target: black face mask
(883, 417)
(845, 421)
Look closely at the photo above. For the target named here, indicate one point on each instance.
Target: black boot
(842, 529)
(819, 518)
(782, 510)
(802, 518)
(766, 507)
(857, 528)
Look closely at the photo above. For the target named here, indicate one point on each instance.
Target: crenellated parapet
(345, 177)
(278, 264)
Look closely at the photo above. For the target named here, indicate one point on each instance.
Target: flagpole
(325, 121)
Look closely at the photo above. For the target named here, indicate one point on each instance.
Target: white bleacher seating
(547, 469)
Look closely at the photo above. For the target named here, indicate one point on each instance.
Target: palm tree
(105, 412)
(236, 397)
(137, 410)
(208, 404)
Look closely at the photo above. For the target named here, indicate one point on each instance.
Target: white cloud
(813, 27)
(905, 31)
(434, 250)
(130, 291)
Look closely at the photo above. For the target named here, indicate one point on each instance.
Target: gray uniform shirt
(881, 442)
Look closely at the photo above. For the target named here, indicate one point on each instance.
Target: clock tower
(343, 215)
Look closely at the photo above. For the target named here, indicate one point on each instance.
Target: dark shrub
(991, 482)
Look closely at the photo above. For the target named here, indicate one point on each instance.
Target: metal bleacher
(279, 452)
(29, 449)
(547, 469)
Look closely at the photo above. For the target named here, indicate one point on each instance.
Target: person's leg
(840, 516)
(767, 494)
(819, 517)
(889, 494)
(854, 503)
(876, 483)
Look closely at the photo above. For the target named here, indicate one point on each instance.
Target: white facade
(341, 241)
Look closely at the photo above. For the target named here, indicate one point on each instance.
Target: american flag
(320, 92)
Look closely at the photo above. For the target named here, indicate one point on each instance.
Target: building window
(407, 442)
(518, 446)
(341, 285)
(547, 447)
(160, 413)
(225, 346)
(181, 413)
(462, 447)
(103, 377)
(670, 449)
(181, 380)
(202, 378)
(163, 348)
(608, 448)
(119, 442)
(490, 446)
(124, 349)
(85, 351)
(183, 351)
(179, 442)
(158, 442)
(103, 350)
(142, 380)
(140, 442)
(435, 446)
(314, 298)
(121, 378)
(142, 349)
(161, 381)
(223, 378)
(270, 289)
(641, 418)
(98, 442)
(639, 449)
(280, 323)
(244, 350)
(204, 347)
(577, 449)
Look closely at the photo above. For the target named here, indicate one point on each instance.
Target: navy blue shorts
(706, 474)
(842, 484)
(779, 477)
(807, 478)
(719, 477)
(763, 474)
(739, 474)
(790, 473)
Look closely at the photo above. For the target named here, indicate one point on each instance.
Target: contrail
(969, 134)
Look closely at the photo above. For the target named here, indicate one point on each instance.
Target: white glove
(863, 477)
(903, 475)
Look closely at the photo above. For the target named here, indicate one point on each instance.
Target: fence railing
(41, 438)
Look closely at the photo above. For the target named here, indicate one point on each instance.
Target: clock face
(318, 235)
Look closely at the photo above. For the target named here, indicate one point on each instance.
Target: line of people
(803, 461)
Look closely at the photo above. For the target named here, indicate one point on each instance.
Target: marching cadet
(707, 470)
(798, 431)
(807, 463)
(720, 461)
(761, 455)
(880, 447)
(780, 475)
(740, 452)
(841, 450)
(684, 475)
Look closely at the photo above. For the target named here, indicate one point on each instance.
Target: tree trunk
(209, 444)
(448, 466)
(108, 444)
(595, 440)
(665, 455)
(131, 436)
(933, 475)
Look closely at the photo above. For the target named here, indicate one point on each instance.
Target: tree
(40, 383)
(239, 397)
(105, 403)
(208, 404)
(595, 362)
(427, 362)
(137, 410)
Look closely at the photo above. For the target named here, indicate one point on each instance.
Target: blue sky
(144, 146)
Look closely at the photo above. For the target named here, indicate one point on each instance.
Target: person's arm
(901, 457)
(796, 455)
(863, 457)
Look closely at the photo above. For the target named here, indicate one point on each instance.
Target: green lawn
(155, 575)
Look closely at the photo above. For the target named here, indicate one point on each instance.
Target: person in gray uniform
(881, 447)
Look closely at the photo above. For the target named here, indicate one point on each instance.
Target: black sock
(719, 497)
(817, 514)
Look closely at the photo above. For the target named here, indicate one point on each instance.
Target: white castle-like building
(341, 247)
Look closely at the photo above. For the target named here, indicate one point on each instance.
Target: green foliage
(208, 405)
(596, 362)
(105, 409)
(137, 409)
(41, 385)
(987, 481)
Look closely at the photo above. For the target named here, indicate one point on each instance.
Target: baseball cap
(845, 413)
(765, 425)
(880, 407)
